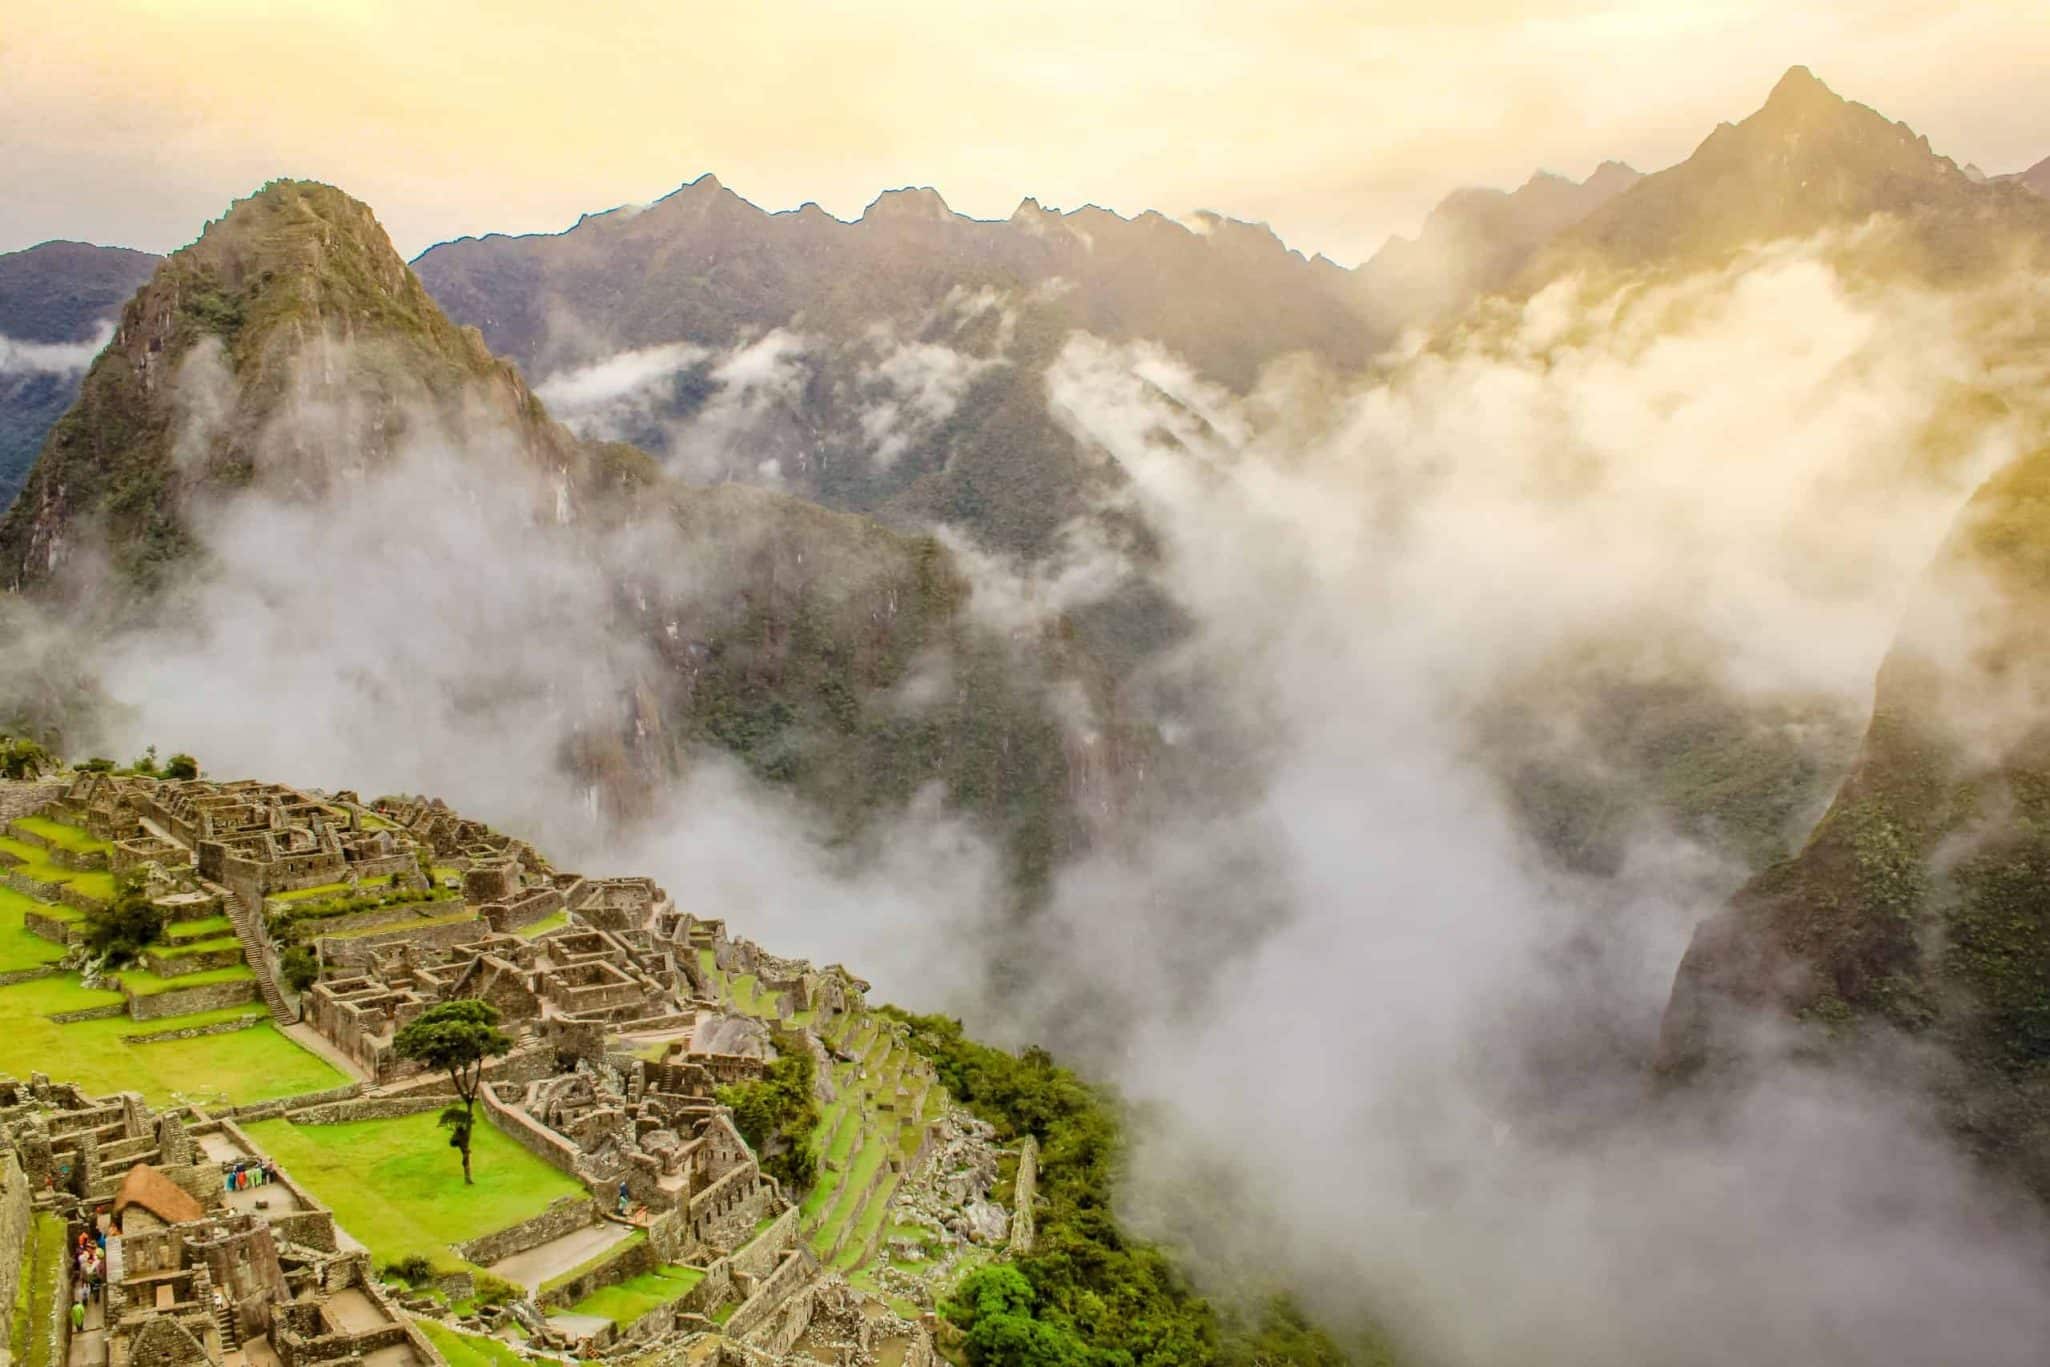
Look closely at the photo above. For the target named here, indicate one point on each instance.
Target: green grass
(396, 1184)
(627, 1301)
(235, 1069)
(821, 1195)
(469, 1350)
(555, 921)
(97, 884)
(35, 1295)
(872, 1154)
(193, 930)
(872, 1213)
(595, 1261)
(19, 948)
(142, 983)
(62, 836)
(179, 949)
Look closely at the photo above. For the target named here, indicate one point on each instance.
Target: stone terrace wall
(530, 1134)
(265, 1110)
(565, 1215)
(755, 1311)
(630, 1260)
(186, 1001)
(14, 1224)
(367, 1108)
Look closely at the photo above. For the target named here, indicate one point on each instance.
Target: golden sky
(133, 121)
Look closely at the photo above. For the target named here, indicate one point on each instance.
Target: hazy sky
(133, 121)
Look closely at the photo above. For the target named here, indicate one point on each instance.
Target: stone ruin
(196, 1268)
(628, 1015)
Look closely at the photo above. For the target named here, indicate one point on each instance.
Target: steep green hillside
(1922, 899)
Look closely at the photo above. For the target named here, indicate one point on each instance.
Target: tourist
(78, 1312)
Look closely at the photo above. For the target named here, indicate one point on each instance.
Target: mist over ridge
(1328, 725)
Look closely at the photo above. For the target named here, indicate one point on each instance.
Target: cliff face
(1921, 902)
(290, 359)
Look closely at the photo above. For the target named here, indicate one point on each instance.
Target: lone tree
(456, 1037)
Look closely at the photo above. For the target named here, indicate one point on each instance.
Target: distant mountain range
(56, 302)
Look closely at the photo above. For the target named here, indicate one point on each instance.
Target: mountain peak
(908, 203)
(1800, 86)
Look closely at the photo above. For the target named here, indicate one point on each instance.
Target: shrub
(121, 929)
(492, 1290)
(181, 766)
(301, 968)
(22, 758)
(414, 1269)
(777, 1115)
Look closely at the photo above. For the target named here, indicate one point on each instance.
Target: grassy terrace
(211, 928)
(171, 948)
(469, 1350)
(249, 1065)
(395, 1184)
(146, 984)
(627, 1301)
(320, 890)
(63, 836)
(556, 921)
(19, 948)
(256, 1064)
(36, 864)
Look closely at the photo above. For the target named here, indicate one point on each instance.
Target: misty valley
(744, 788)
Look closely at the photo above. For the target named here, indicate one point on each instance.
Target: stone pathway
(574, 1327)
(558, 1256)
(306, 1037)
(89, 1348)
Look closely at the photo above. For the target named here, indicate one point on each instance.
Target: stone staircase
(256, 949)
(224, 1320)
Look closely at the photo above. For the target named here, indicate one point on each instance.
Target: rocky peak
(912, 203)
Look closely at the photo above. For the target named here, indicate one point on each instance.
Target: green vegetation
(627, 1301)
(36, 863)
(1087, 1293)
(145, 984)
(19, 947)
(456, 1037)
(35, 1294)
(388, 1188)
(22, 758)
(535, 929)
(209, 928)
(62, 836)
(777, 1115)
(469, 1350)
(255, 1064)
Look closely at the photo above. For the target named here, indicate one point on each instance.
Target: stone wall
(186, 1001)
(791, 1273)
(1022, 1223)
(227, 1027)
(368, 1108)
(265, 1110)
(354, 951)
(50, 928)
(565, 1215)
(632, 1259)
(14, 1224)
(531, 1135)
(759, 1256)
